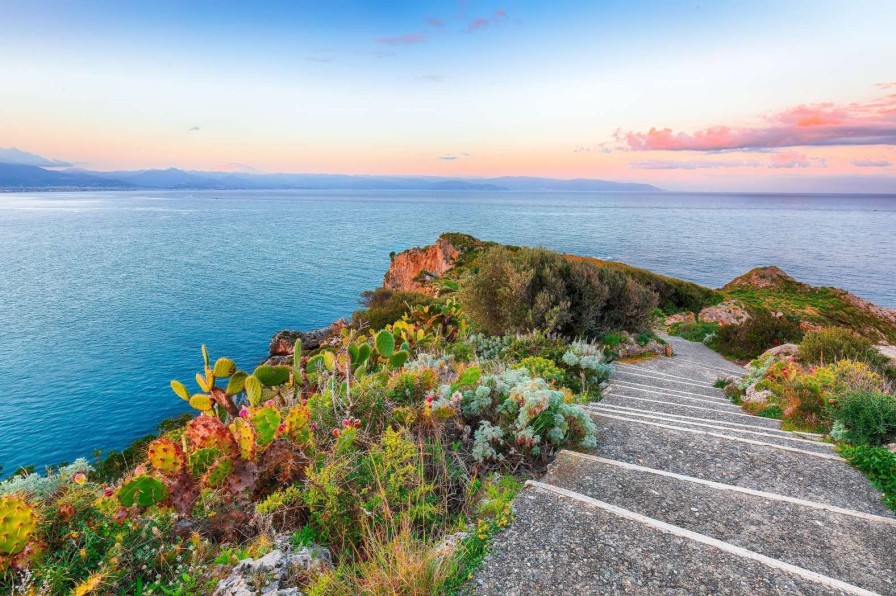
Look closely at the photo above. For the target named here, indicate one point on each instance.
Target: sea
(107, 296)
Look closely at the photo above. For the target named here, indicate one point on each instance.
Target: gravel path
(687, 494)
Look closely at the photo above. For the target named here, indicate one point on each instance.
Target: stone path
(687, 494)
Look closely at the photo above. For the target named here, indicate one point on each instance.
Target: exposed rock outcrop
(729, 312)
(889, 351)
(782, 351)
(766, 278)
(681, 317)
(410, 270)
(272, 573)
(283, 342)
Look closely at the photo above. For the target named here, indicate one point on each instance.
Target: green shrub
(866, 417)
(542, 367)
(836, 343)
(384, 307)
(751, 338)
(516, 291)
(879, 464)
(698, 331)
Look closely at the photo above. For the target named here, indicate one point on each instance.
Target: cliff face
(411, 269)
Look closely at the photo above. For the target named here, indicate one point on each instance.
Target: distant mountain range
(20, 176)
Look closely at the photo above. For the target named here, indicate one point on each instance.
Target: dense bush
(516, 291)
(697, 331)
(879, 464)
(383, 306)
(836, 343)
(751, 338)
(865, 417)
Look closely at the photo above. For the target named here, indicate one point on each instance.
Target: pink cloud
(789, 159)
(822, 124)
(477, 24)
(435, 22)
(410, 38)
(782, 159)
(871, 163)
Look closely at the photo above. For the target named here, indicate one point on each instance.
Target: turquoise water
(105, 297)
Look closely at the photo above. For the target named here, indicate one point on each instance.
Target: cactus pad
(298, 426)
(272, 375)
(253, 390)
(143, 491)
(245, 438)
(180, 390)
(385, 343)
(166, 457)
(17, 522)
(266, 421)
(206, 431)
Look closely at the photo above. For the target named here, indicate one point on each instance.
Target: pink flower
(269, 403)
(80, 478)
(281, 428)
(244, 413)
(140, 470)
(108, 491)
(314, 426)
(335, 432)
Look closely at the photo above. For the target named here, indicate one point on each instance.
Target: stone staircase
(687, 494)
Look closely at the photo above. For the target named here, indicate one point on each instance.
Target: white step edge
(704, 385)
(710, 400)
(680, 405)
(737, 373)
(830, 456)
(597, 408)
(738, 489)
(727, 547)
(686, 418)
(623, 367)
(673, 392)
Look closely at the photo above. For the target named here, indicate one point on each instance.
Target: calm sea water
(105, 297)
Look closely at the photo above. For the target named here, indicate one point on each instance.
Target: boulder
(284, 341)
(630, 348)
(887, 350)
(782, 351)
(725, 313)
(759, 396)
(681, 317)
(271, 573)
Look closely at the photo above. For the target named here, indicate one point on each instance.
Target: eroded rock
(729, 312)
(273, 573)
(681, 317)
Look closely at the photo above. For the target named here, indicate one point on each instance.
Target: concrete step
(661, 382)
(851, 546)
(772, 436)
(769, 468)
(658, 403)
(697, 417)
(622, 386)
(562, 542)
(675, 369)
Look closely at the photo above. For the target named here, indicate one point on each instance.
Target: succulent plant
(245, 438)
(207, 431)
(266, 422)
(272, 376)
(166, 457)
(18, 521)
(298, 426)
(143, 491)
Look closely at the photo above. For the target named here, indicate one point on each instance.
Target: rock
(681, 317)
(630, 348)
(271, 573)
(283, 341)
(759, 396)
(891, 447)
(782, 351)
(410, 270)
(725, 313)
(765, 277)
(807, 326)
(887, 350)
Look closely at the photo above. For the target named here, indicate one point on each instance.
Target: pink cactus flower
(335, 432)
(314, 426)
(140, 470)
(269, 403)
(80, 478)
(108, 491)
(244, 413)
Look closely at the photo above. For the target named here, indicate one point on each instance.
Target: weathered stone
(271, 573)
(887, 350)
(410, 270)
(283, 341)
(681, 317)
(783, 351)
(759, 396)
(725, 313)
(630, 348)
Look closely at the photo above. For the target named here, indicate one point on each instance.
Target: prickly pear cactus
(166, 457)
(224, 367)
(385, 343)
(253, 389)
(272, 376)
(266, 422)
(143, 491)
(218, 472)
(17, 522)
(207, 431)
(298, 426)
(203, 459)
(245, 438)
(201, 402)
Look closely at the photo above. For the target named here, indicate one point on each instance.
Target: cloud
(497, 17)
(454, 157)
(778, 160)
(447, 157)
(319, 59)
(477, 24)
(408, 39)
(435, 22)
(193, 129)
(821, 124)
(871, 163)
(23, 158)
(430, 78)
(582, 149)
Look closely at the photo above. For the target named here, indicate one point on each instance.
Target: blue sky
(566, 89)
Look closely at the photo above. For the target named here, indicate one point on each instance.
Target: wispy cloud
(435, 22)
(582, 149)
(479, 23)
(407, 39)
(821, 124)
(454, 156)
(871, 163)
(193, 129)
(447, 157)
(319, 59)
(430, 78)
(778, 160)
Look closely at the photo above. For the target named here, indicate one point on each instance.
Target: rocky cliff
(413, 269)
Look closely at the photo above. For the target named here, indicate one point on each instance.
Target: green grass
(694, 331)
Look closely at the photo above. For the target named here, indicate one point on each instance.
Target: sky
(707, 96)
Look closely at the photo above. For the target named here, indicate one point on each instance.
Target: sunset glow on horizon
(764, 96)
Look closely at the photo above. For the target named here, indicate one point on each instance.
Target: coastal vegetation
(387, 457)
